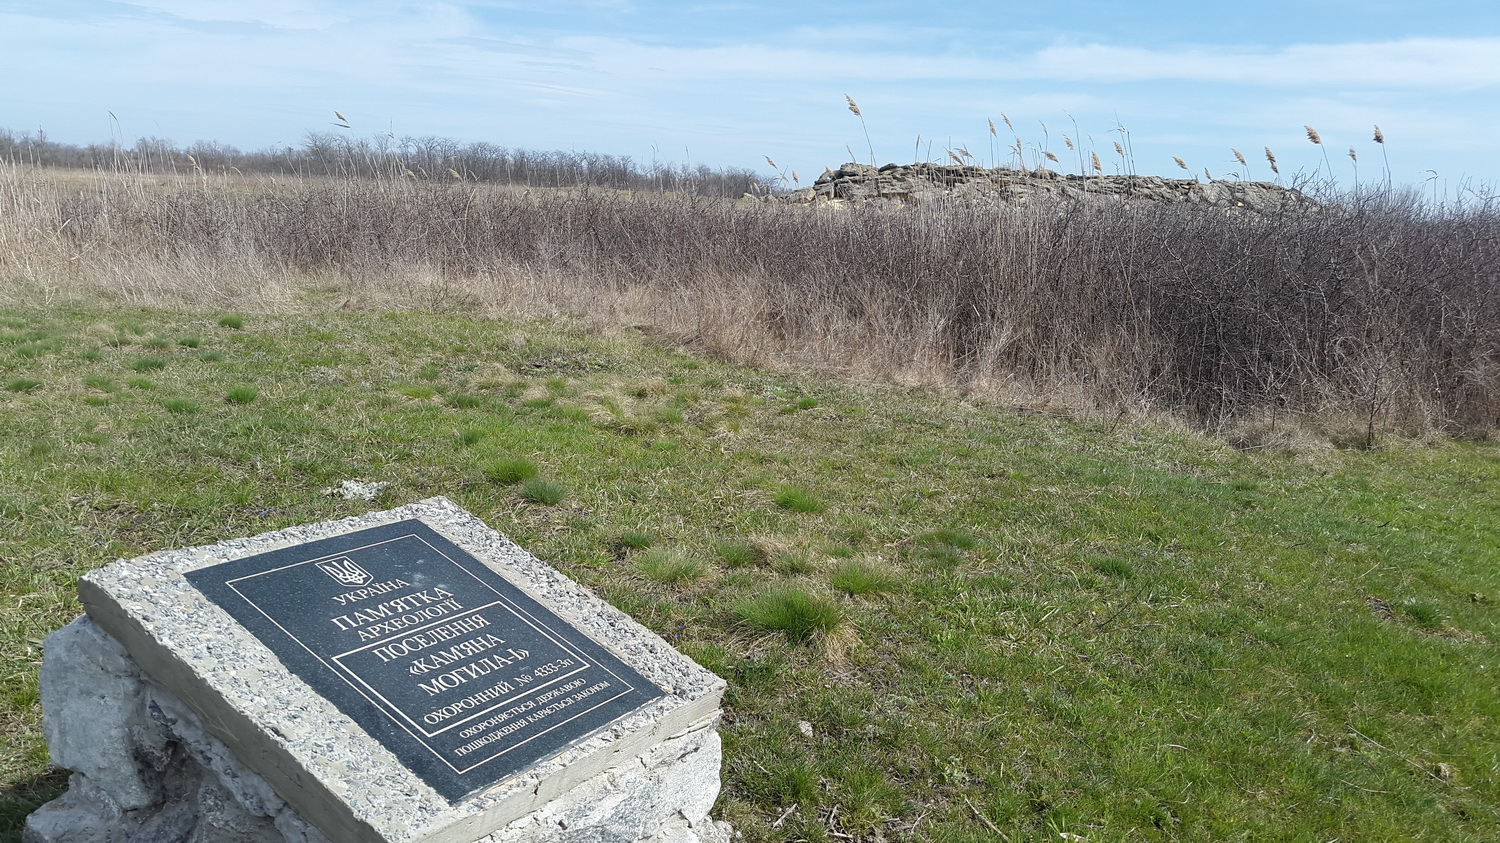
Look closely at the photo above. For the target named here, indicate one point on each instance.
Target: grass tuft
(857, 577)
(797, 613)
(952, 538)
(242, 394)
(741, 554)
(798, 499)
(232, 320)
(635, 540)
(1426, 615)
(1114, 567)
(510, 470)
(671, 566)
(543, 491)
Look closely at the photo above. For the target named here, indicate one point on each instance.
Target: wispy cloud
(1463, 63)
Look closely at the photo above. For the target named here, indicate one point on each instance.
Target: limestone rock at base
(88, 677)
(83, 814)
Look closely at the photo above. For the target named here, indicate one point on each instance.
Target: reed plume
(1312, 135)
(854, 107)
(1380, 139)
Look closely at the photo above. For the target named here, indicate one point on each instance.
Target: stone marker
(408, 675)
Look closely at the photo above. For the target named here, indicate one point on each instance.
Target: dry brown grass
(1381, 311)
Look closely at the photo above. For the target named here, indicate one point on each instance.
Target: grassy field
(939, 619)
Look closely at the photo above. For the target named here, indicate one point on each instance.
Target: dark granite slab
(456, 671)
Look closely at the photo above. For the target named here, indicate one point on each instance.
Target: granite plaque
(454, 669)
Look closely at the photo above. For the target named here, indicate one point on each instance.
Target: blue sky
(727, 83)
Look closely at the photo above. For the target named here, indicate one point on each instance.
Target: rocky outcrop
(921, 183)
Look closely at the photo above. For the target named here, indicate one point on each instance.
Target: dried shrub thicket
(1378, 313)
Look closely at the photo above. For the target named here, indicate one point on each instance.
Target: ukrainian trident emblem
(345, 571)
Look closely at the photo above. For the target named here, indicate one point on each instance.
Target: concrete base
(146, 770)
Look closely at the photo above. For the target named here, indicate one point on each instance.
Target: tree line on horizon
(422, 158)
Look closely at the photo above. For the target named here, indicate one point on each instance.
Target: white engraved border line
(339, 670)
(387, 707)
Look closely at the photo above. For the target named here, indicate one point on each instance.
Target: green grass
(860, 577)
(22, 384)
(635, 540)
(241, 394)
(671, 566)
(511, 470)
(232, 321)
(798, 499)
(148, 364)
(797, 613)
(740, 554)
(996, 621)
(543, 491)
(420, 392)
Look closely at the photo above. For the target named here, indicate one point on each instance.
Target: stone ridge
(923, 183)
